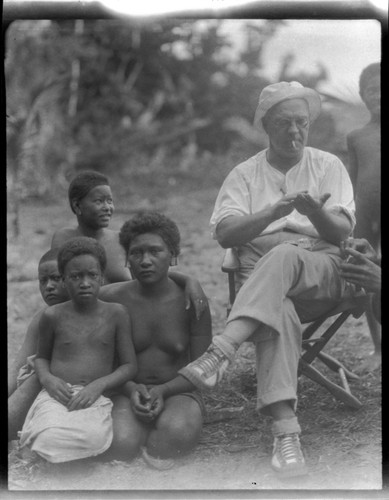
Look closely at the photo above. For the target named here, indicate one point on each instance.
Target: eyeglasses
(301, 123)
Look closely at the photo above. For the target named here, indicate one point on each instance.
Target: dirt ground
(342, 445)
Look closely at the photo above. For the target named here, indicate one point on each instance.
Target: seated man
(286, 210)
(163, 413)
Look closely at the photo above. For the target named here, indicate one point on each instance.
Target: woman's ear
(173, 260)
(76, 206)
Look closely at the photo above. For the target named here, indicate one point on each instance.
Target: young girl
(84, 351)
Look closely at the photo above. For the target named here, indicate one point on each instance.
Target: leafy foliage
(99, 94)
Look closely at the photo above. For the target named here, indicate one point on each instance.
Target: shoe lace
(289, 447)
(210, 361)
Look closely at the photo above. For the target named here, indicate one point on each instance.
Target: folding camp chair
(312, 347)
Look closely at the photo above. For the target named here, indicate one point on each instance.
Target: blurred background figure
(364, 148)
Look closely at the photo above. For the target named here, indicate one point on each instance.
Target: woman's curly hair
(151, 222)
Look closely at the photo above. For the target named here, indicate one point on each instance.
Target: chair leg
(339, 393)
(335, 365)
(312, 351)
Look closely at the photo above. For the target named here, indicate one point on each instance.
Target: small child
(80, 343)
(52, 292)
(364, 148)
(23, 385)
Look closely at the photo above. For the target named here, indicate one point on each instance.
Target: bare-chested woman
(163, 413)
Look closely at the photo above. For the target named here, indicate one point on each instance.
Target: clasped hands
(147, 403)
(302, 201)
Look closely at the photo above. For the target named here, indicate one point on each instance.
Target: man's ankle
(227, 346)
(285, 426)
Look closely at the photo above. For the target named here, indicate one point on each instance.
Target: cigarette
(294, 145)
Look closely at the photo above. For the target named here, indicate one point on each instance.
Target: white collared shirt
(254, 184)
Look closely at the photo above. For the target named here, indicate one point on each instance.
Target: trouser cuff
(285, 426)
(186, 373)
(227, 347)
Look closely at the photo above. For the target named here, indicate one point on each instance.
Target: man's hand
(305, 204)
(57, 389)
(286, 205)
(86, 396)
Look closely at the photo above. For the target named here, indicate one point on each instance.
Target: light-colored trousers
(288, 285)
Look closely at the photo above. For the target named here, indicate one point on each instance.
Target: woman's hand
(141, 403)
(156, 400)
(194, 294)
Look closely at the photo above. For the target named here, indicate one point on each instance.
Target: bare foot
(371, 363)
(156, 463)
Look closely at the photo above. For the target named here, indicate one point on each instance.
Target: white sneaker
(208, 370)
(288, 459)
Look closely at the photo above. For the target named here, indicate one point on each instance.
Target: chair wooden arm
(230, 262)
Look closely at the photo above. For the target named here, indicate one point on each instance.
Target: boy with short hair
(79, 344)
(364, 148)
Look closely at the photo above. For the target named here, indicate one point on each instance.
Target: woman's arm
(194, 294)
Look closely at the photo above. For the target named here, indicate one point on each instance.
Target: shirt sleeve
(233, 199)
(337, 181)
